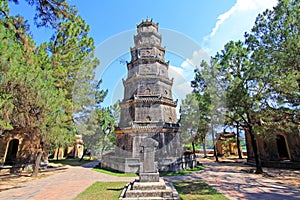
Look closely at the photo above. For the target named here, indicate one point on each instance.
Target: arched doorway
(282, 148)
(12, 150)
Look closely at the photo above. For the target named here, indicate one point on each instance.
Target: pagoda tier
(144, 53)
(149, 99)
(148, 88)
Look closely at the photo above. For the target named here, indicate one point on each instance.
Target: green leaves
(37, 82)
(50, 12)
(275, 42)
(190, 119)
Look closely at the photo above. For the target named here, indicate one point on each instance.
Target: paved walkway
(61, 186)
(229, 180)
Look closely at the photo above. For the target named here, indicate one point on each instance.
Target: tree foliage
(98, 129)
(206, 85)
(50, 12)
(43, 86)
(244, 89)
(190, 120)
(261, 75)
(274, 43)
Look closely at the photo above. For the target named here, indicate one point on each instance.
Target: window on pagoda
(148, 118)
(147, 91)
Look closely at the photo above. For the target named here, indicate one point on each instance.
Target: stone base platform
(132, 165)
(149, 177)
(160, 190)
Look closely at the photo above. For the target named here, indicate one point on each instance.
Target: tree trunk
(194, 150)
(45, 157)
(204, 148)
(259, 169)
(37, 164)
(238, 143)
(57, 155)
(84, 152)
(102, 152)
(214, 143)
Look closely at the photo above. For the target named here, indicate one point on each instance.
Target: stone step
(161, 185)
(148, 198)
(149, 193)
(149, 187)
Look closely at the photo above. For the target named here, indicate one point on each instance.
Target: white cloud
(181, 85)
(184, 73)
(232, 24)
(188, 66)
(221, 18)
(196, 59)
(241, 5)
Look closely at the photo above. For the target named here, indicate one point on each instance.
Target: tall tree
(262, 76)
(244, 89)
(274, 43)
(211, 98)
(204, 105)
(29, 98)
(36, 82)
(189, 120)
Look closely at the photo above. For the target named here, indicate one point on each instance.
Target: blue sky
(191, 31)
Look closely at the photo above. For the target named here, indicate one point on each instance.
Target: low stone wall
(132, 165)
(126, 165)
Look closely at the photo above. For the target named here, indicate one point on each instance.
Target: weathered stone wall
(147, 52)
(147, 39)
(27, 146)
(169, 114)
(269, 150)
(148, 112)
(3, 147)
(168, 152)
(148, 86)
(293, 141)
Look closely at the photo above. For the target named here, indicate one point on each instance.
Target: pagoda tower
(148, 109)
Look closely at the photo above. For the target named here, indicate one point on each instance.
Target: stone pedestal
(148, 171)
(149, 177)
(149, 185)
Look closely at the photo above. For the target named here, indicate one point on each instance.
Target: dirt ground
(289, 177)
(10, 181)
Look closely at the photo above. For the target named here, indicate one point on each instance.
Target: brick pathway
(61, 186)
(228, 179)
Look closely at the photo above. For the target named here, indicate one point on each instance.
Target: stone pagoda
(147, 109)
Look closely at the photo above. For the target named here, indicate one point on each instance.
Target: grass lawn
(69, 161)
(119, 174)
(184, 172)
(103, 191)
(188, 190)
(196, 190)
